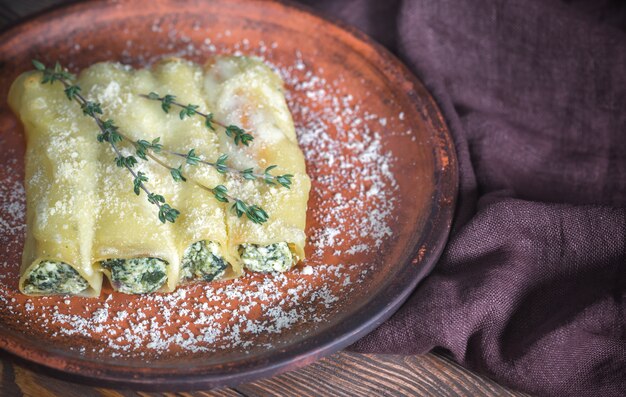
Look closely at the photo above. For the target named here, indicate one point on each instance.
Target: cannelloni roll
(85, 217)
(245, 92)
(61, 182)
(132, 247)
(201, 229)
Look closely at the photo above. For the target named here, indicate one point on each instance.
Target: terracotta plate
(384, 185)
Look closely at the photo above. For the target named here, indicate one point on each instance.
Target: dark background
(531, 289)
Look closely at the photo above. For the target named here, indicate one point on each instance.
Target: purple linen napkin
(531, 289)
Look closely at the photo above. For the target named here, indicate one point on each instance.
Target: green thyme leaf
(239, 135)
(92, 108)
(284, 180)
(256, 214)
(240, 208)
(220, 164)
(155, 145)
(125, 161)
(253, 212)
(267, 177)
(177, 174)
(142, 147)
(167, 213)
(166, 102)
(38, 65)
(108, 132)
(138, 181)
(220, 192)
(192, 159)
(248, 174)
(188, 111)
(209, 121)
(155, 198)
(71, 91)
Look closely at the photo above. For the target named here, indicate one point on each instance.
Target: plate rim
(435, 236)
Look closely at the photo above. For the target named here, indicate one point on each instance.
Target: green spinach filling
(50, 277)
(266, 258)
(203, 260)
(137, 275)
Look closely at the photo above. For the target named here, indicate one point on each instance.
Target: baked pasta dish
(158, 177)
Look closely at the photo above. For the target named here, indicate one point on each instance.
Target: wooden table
(342, 374)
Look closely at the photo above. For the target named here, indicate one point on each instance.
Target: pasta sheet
(81, 208)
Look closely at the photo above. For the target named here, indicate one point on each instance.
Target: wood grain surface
(342, 374)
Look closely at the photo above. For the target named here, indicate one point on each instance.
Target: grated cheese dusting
(351, 208)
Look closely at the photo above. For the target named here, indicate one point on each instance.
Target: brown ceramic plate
(384, 185)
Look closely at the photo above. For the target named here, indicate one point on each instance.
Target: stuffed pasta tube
(132, 247)
(245, 92)
(61, 181)
(201, 232)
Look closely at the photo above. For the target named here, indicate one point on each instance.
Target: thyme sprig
(253, 212)
(142, 148)
(109, 132)
(247, 174)
(238, 134)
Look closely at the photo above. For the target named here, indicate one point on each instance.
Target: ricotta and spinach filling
(266, 258)
(137, 275)
(51, 277)
(203, 260)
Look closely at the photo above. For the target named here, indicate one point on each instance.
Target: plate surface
(384, 185)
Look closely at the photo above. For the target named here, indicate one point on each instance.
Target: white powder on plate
(351, 173)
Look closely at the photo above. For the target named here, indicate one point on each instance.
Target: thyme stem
(166, 213)
(238, 134)
(253, 212)
(180, 105)
(110, 133)
(249, 174)
(91, 109)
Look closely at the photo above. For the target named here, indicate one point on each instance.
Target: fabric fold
(531, 289)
